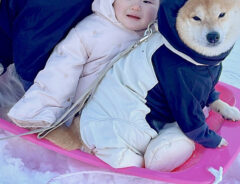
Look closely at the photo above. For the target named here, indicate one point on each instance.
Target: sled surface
(193, 171)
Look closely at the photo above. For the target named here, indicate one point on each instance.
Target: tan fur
(193, 33)
(68, 138)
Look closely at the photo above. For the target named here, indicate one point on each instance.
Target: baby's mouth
(134, 17)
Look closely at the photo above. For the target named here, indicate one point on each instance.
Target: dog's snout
(213, 37)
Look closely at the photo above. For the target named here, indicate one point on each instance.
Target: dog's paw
(223, 143)
(228, 112)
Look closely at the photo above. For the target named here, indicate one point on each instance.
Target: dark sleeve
(214, 95)
(188, 112)
(178, 83)
(37, 27)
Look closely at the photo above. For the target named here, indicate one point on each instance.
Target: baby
(76, 61)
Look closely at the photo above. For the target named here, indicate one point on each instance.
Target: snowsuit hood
(105, 9)
(167, 16)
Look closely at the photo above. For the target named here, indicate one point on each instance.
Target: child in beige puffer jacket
(76, 62)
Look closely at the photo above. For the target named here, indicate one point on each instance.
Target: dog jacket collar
(181, 54)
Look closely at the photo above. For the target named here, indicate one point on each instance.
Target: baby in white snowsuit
(76, 62)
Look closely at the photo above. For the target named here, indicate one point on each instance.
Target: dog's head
(210, 27)
(206, 30)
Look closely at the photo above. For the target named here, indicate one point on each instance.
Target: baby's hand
(223, 143)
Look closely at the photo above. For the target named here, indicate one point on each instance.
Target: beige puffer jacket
(73, 66)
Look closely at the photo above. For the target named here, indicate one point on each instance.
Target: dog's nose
(213, 37)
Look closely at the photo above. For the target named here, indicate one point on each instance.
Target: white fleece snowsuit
(73, 66)
(113, 123)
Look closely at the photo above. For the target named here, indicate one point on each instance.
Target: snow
(22, 162)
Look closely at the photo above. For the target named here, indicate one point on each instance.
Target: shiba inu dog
(211, 27)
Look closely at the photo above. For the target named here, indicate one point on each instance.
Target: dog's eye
(221, 15)
(196, 18)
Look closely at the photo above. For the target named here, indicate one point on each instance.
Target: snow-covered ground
(22, 162)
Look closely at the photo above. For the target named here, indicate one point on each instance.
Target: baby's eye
(147, 2)
(196, 18)
(221, 15)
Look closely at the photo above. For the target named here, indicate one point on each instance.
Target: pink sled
(193, 171)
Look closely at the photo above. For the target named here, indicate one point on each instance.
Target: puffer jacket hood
(167, 16)
(105, 8)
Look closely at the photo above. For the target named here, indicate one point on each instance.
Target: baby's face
(135, 15)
